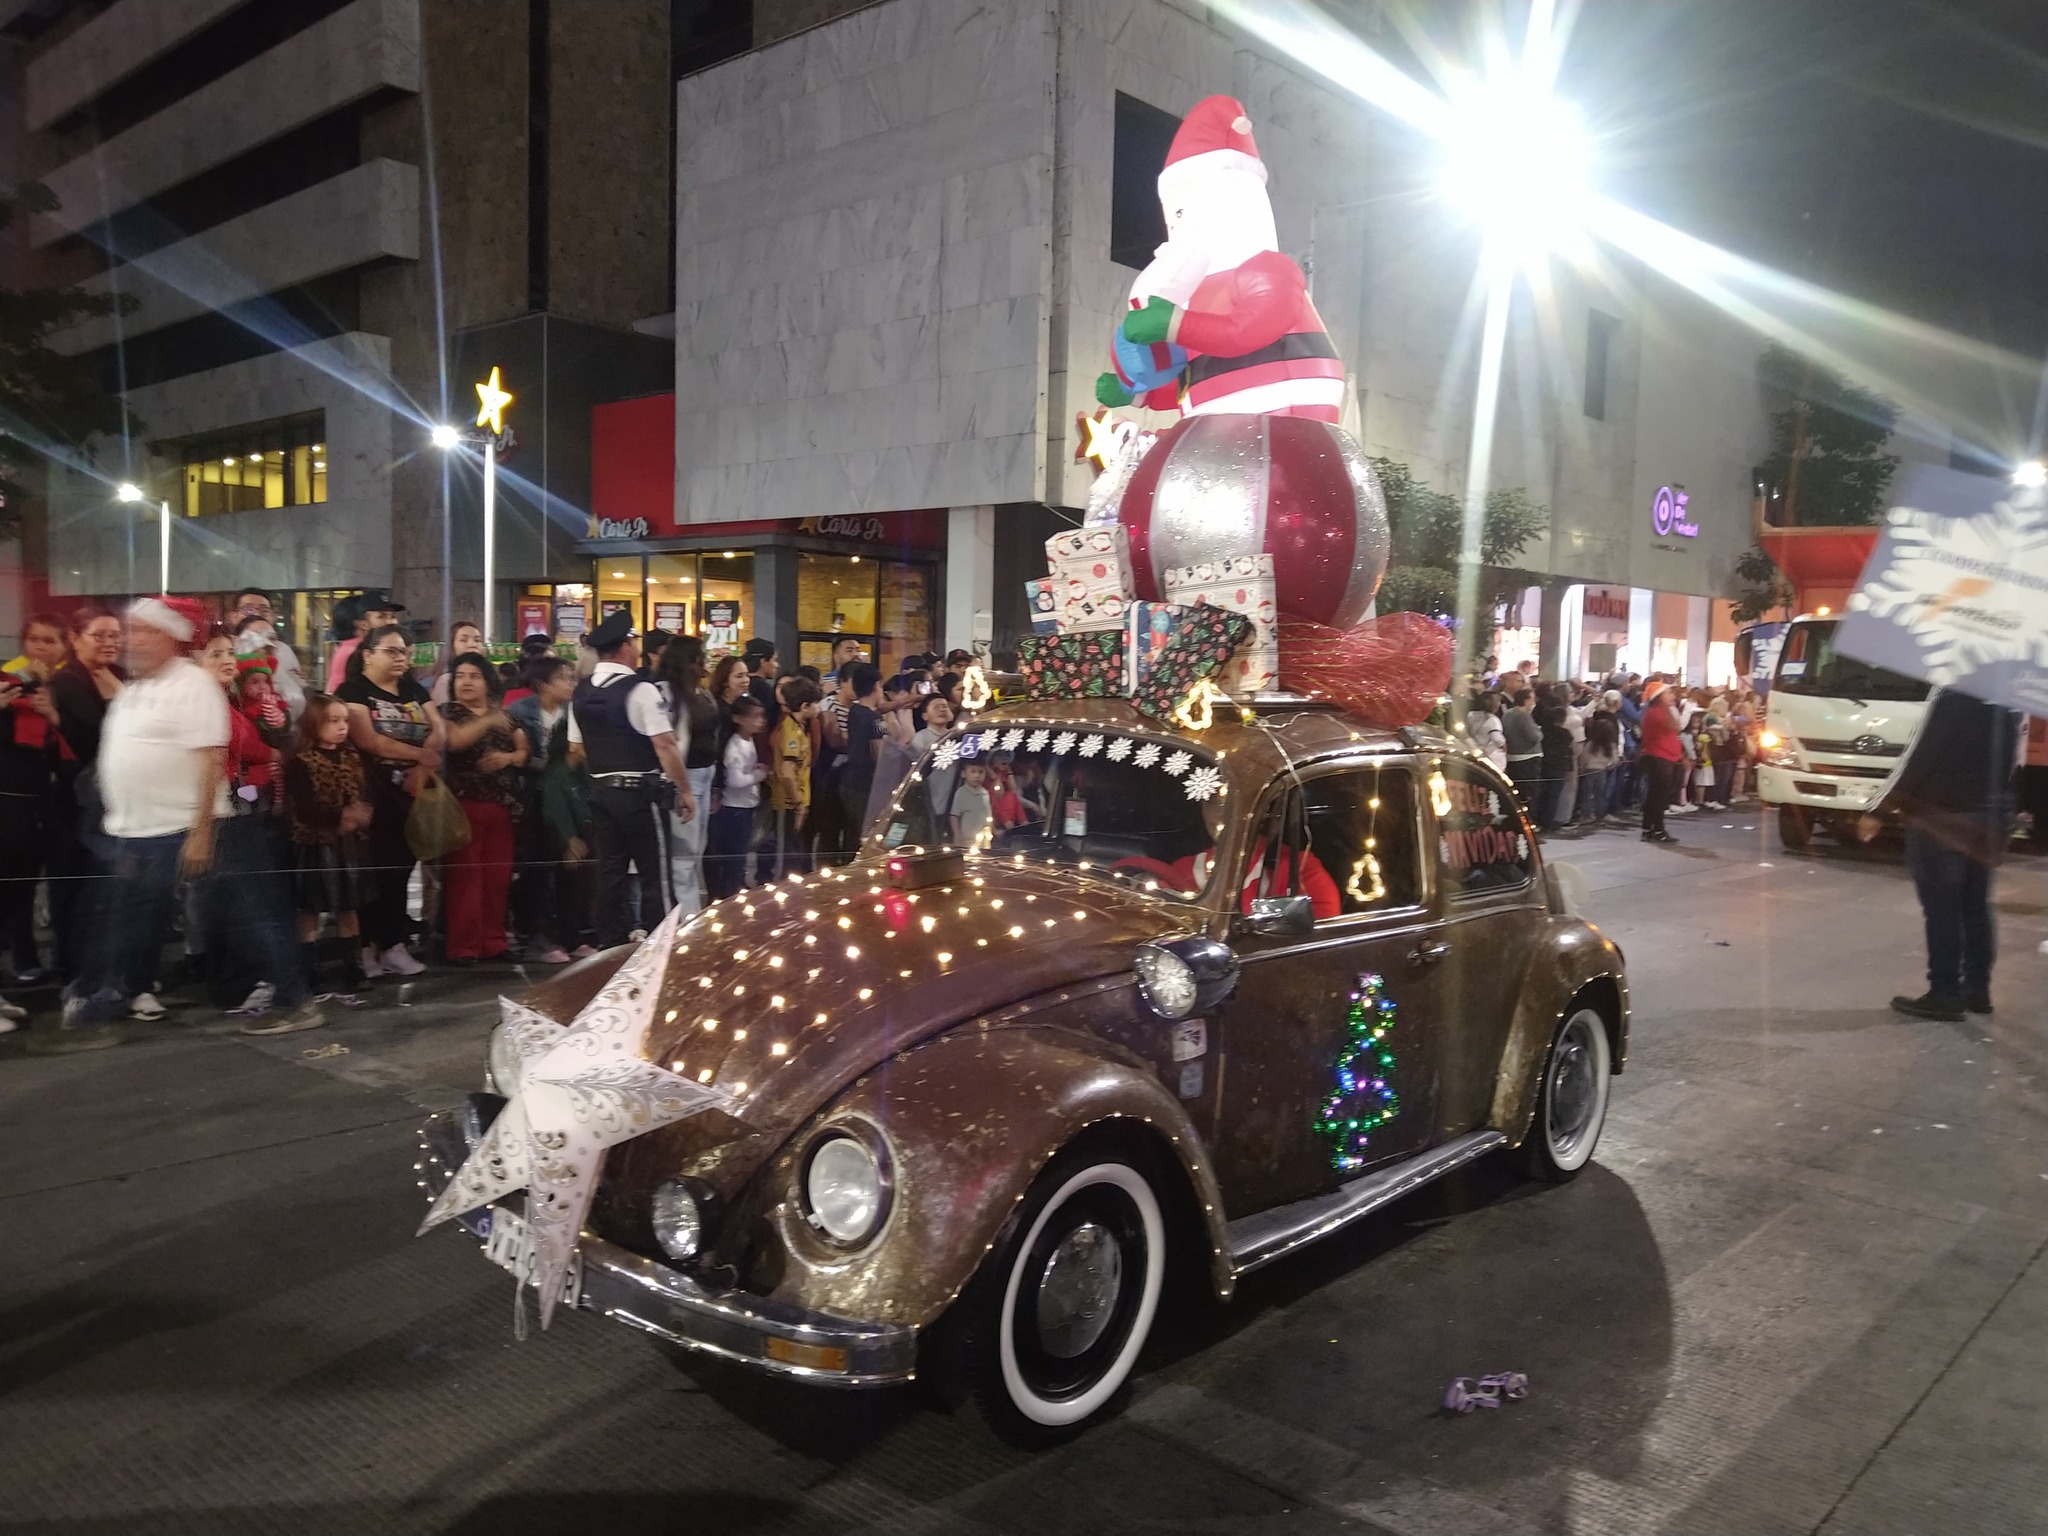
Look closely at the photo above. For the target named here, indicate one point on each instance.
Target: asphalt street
(1802, 1290)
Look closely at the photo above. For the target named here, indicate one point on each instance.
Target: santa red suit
(1219, 297)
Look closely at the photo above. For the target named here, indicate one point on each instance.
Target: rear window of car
(1482, 842)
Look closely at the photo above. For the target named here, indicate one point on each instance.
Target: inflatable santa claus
(1221, 322)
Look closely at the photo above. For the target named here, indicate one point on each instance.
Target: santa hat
(1215, 136)
(177, 617)
(248, 664)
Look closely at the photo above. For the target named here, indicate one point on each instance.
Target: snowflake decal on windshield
(1203, 784)
(1120, 749)
(1090, 745)
(946, 753)
(1148, 754)
(1063, 743)
(1038, 741)
(1178, 763)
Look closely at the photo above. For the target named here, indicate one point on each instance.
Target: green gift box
(1083, 666)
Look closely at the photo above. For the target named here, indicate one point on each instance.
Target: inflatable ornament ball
(1292, 487)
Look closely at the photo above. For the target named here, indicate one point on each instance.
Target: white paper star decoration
(581, 1090)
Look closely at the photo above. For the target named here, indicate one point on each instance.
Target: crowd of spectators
(164, 773)
(1626, 750)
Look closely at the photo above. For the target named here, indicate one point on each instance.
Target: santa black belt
(1298, 347)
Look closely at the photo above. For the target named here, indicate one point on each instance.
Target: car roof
(1284, 730)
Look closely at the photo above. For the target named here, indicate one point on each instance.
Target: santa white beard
(1216, 219)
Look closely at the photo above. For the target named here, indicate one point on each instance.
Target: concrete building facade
(326, 214)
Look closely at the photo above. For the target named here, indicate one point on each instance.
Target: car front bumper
(657, 1299)
(1816, 790)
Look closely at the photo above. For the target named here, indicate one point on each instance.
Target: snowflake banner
(1956, 591)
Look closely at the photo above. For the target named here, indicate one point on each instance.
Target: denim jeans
(248, 897)
(131, 920)
(1592, 794)
(686, 845)
(1955, 901)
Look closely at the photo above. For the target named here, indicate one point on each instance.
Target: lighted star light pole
(492, 399)
(129, 492)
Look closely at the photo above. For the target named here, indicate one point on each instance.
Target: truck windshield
(1137, 808)
(1809, 664)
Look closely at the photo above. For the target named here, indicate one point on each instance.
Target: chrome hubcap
(1078, 1289)
(1574, 1089)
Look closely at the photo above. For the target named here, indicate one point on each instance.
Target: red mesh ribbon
(1390, 669)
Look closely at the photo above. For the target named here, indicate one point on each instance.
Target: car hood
(786, 994)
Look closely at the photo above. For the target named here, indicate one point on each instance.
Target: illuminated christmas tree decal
(1365, 1099)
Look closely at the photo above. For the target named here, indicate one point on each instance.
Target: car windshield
(1138, 808)
(1810, 664)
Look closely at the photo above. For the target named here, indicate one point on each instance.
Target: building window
(1600, 331)
(1137, 226)
(279, 463)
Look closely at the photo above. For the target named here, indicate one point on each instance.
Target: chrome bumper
(656, 1299)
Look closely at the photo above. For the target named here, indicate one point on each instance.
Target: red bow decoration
(1391, 669)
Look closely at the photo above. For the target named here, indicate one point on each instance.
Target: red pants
(479, 884)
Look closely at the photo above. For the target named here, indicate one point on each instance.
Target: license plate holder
(504, 1235)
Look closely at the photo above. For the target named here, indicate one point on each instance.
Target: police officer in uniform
(636, 773)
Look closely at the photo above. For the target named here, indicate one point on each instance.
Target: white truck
(1834, 729)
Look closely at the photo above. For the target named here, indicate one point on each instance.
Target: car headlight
(504, 1063)
(1778, 751)
(1180, 977)
(677, 1213)
(845, 1192)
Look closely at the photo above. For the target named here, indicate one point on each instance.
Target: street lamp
(130, 492)
(2032, 475)
(492, 399)
(1518, 162)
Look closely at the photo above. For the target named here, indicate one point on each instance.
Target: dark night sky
(1894, 151)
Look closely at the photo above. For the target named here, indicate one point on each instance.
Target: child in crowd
(791, 791)
(1004, 804)
(972, 812)
(731, 836)
(323, 785)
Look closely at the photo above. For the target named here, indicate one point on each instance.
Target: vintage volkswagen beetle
(986, 1099)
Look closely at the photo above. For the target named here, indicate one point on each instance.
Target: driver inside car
(1191, 873)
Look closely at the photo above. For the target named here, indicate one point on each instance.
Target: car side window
(1482, 841)
(1361, 828)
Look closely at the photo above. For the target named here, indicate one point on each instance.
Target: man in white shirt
(162, 779)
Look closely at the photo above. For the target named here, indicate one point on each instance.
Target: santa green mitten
(1151, 324)
(1109, 390)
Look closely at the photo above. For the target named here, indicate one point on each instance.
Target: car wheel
(1066, 1300)
(1571, 1104)
(1795, 828)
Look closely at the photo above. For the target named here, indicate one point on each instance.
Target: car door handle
(1428, 952)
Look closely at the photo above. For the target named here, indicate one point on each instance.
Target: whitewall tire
(1571, 1103)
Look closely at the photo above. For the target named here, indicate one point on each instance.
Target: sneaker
(556, 956)
(145, 1007)
(582, 952)
(10, 1018)
(12, 1011)
(397, 961)
(307, 1016)
(35, 975)
(1947, 1010)
(1659, 837)
(371, 969)
(637, 936)
(257, 1003)
(1978, 1003)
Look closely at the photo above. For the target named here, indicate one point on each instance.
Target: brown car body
(975, 1027)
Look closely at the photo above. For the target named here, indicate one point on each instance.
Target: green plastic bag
(435, 826)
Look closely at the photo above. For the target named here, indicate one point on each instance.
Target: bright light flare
(1518, 162)
(2033, 474)
(128, 490)
(444, 436)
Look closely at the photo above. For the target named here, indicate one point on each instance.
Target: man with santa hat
(1221, 322)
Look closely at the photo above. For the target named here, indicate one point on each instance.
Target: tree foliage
(49, 402)
(1763, 587)
(1827, 460)
(1428, 539)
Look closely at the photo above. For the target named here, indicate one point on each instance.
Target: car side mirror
(1288, 916)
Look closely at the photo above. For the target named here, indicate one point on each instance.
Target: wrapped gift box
(1043, 604)
(1254, 669)
(1204, 640)
(1241, 583)
(1085, 666)
(1091, 577)
(1148, 630)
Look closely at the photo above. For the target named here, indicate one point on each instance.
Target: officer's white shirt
(643, 704)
